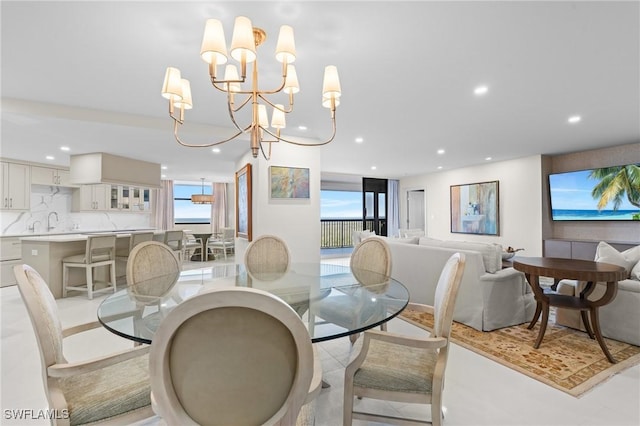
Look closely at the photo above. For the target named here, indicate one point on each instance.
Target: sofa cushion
(635, 272)
(426, 241)
(491, 253)
(627, 259)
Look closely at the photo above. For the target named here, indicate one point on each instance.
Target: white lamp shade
(214, 45)
(231, 73)
(243, 45)
(185, 102)
(172, 86)
(286, 47)
(331, 82)
(263, 119)
(277, 119)
(291, 83)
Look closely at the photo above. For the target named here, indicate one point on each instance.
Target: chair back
(370, 262)
(152, 269)
(446, 293)
(231, 356)
(43, 313)
(174, 239)
(267, 254)
(139, 237)
(100, 248)
(228, 234)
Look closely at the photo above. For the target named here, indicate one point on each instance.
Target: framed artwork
(475, 208)
(289, 182)
(243, 202)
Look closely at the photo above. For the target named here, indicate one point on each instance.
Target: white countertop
(60, 238)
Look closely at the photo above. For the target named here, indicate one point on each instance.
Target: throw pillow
(608, 254)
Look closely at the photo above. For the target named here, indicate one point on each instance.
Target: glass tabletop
(333, 301)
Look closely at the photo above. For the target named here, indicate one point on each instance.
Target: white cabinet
(50, 176)
(10, 255)
(15, 190)
(91, 198)
(129, 198)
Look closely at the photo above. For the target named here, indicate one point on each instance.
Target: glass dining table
(334, 301)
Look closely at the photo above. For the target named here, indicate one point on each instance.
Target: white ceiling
(88, 75)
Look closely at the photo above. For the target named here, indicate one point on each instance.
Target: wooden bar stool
(100, 251)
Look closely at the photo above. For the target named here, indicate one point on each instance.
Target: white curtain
(219, 208)
(163, 206)
(393, 221)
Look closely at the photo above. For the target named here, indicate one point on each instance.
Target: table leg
(536, 315)
(543, 324)
(595, 323)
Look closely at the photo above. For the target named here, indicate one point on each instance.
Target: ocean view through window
(184, 211)
(340, 215)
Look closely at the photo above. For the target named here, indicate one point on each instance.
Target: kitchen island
(45, 253)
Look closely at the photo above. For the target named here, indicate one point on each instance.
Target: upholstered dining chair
(152, 270)
(225, 243)
(393, 367)
(267, 254)
(370, 265)
(109, 389)
(175, 239)
(233, 356)
(190, 245)
(100, 251)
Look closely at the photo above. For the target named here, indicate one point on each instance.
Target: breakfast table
(136, 312)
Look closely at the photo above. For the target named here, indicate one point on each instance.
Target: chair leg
(113, 275)
(89, 274)
(347, 405)
(436, 409)
(65, 279)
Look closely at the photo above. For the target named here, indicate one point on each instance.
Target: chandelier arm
(175, 134)
(280, 138)
(246, 101)
(285, 110)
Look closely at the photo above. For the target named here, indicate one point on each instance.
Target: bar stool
(135, 239)
(100, 251)
(174, 239)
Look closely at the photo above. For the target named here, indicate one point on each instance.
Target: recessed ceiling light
(439, 167)
(65, 148)
(359, 140)
(164, 176)
(488, 158)
(373, 167)
(440, 151)
(163, 167)
(480, 90)
(50, 157)
(574, 119)
(216, 150)
(302, 127)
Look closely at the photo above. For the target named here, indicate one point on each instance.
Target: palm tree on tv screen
(614, 183)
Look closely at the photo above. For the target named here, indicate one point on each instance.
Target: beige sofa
(489, 297)
(620, 319)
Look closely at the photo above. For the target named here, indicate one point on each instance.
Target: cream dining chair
(267, 254)
(236, 356)
(225, 243)
(393, 367)
(112, 389)
(175, 240)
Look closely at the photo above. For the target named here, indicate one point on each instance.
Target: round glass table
(333, 301)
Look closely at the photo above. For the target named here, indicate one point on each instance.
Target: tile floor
(478, 391)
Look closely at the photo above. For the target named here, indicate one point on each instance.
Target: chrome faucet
(49, 227)
(32, 228)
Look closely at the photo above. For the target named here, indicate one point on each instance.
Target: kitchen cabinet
(141, 199)
(10, 255)
(129, 198)
(16, 186)
(50, 176)
(91, 198)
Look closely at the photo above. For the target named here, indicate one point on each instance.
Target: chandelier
(202, 198)
(245, 40)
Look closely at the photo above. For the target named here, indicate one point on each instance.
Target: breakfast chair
(135, 239)
(393, 367)
(100, 251)
(174, 239)
(267, 254)
(109, 389)
(233, 356)
(225, 243)
(190, 245)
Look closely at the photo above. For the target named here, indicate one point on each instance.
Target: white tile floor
(478, 391)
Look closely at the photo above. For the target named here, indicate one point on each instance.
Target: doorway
(416, 210)
(374, 205)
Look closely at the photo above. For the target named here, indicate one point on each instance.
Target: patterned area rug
(567, 359)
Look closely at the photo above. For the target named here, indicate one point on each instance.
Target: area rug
(566, 360)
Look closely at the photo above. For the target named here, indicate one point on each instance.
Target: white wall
(297, 221)
(520, 195)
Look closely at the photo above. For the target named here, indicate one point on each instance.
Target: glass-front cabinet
(129, 198)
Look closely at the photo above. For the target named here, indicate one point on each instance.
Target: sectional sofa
(489, 298)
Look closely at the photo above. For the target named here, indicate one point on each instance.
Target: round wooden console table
(582, 270)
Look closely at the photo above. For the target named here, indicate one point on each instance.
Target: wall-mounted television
(608, 193)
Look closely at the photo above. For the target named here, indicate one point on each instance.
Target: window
(340, 204)
(184, 210)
